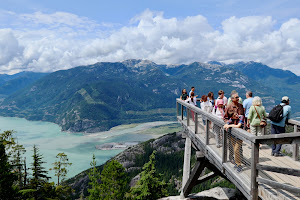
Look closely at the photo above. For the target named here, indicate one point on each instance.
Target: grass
(162, 129)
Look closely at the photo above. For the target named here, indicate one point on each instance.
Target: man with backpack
(279, 116)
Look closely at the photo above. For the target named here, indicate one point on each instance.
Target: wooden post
(186, 164)
(264, 130)
(182, 112)
(224, 141)
(254, 171)
(177, 111)
(196, 123)
(188, 116)
(295, 146)
(207, 132)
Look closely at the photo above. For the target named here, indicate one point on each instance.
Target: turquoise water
(79, 147)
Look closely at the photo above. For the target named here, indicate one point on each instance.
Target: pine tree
(60, 166)
(18, 163)
(25, 173)
(15, 152)
(7, 139)
(94, 176)
(38, 172)
(7, 178)
(114, 181)
(149, 186)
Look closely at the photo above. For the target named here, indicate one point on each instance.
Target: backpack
(276, 114)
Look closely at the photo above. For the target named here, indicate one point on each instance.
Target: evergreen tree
(7, 139)
(7, 178)
(149, 186)
(94, 176)
(18, 163)
(39, 173)
(25, 173)
(114, 181)
(15, 152)
(60, 166)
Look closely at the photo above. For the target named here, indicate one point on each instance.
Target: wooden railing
(202, 143)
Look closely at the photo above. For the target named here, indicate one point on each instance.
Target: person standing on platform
(221, 96)
(229, 99)
(219, 112)
(206, 106)
(257, 113)
(184, 95)
(210, 97)
(192, 90)
(234, 118)
(193, 101)
(247, 104)
(279, 127)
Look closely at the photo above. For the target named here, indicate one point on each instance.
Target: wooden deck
(205, 142)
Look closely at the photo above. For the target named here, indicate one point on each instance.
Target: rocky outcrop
(216, 193)
(166, 144)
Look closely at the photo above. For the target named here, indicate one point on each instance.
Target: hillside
(97, 97)
(284, 82)
(10, 84)
(170, 151)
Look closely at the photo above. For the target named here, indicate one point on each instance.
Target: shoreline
(116, 145)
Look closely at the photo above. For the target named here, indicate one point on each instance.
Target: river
(79, 147)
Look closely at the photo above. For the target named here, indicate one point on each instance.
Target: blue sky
(121, 11)
(39, 35)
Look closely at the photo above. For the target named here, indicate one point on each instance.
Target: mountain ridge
(97, 97)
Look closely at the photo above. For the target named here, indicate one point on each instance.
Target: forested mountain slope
(97, 97)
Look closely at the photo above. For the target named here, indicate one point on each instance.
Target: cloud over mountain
(49, 42)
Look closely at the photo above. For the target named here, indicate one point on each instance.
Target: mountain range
(97, 97)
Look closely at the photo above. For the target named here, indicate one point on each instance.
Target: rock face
(217, 193)
(168, 145)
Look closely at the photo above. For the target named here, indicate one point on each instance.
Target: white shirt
(219, 113)
(190, 93)
(206, 106)
(189, 100)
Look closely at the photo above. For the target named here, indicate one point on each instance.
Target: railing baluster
(207, 131)
(196, 123)
(182, 108)
(295, 146)
(188, 116)
(177, 111)
(224, 141)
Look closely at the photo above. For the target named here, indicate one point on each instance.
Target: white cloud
(58, 19)
(49, 42)
(9, 46)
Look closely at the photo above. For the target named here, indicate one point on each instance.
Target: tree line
(18, 181)
(113, 182)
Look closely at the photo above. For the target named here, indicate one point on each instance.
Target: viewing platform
(262, 176)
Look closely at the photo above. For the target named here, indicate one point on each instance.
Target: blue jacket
(286, 115)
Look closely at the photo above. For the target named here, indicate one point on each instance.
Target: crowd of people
(249, 114)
